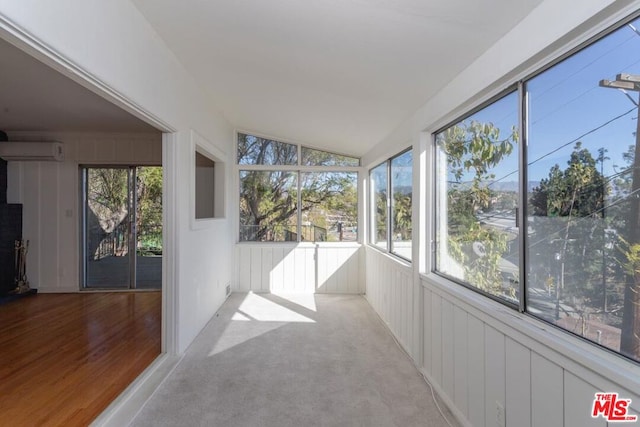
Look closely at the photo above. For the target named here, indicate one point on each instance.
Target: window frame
(514, 88)
(389, 208)
(520, 86)
(298, 169)
(373, 229)
(202, 146)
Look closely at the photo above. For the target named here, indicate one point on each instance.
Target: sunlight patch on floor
(263, 309)
(258, 314)
(307, 300)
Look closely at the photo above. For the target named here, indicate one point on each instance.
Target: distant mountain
(513, 186)
(507, 185)
(403, 189)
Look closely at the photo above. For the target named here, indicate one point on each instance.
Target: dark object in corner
(12, 297)
(10, 231)
(3, 182)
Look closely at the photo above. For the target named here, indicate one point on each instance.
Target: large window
(581, 210)
(379, 207)
(329, 206)
(284, 199)
(477, 196)
(401, 186)
(391, 204)
(268, 206)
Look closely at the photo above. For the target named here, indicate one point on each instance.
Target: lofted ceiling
(334, 74)
(35, 97)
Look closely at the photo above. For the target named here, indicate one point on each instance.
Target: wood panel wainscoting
(65, 357)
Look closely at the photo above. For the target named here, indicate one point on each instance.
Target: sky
(566, 102)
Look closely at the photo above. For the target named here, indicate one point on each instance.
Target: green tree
(568, 208)
(269, 199)
(107, 199)
(402, 212)
(472, 150)
(149, 208)
(578, 191)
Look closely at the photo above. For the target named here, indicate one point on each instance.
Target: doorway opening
(121, 227)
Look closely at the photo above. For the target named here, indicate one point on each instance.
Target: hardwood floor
(65, 357)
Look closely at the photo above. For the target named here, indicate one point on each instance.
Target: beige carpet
(306, 360)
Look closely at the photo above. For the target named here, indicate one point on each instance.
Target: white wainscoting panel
(493, 364)
(459, 360)
(518, 383)
(546, 391)
(475, 369)
(304, 268)
(390, 292)
(578, 398)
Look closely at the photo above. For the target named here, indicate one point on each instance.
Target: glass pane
(584, 243)
(477, 176)
(107, 228)
(253, 150)
(379, 207)
(401, 196)
(329, 206)
(149, 227)
(311, 157)
(268, 206)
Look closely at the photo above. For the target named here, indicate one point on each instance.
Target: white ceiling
(335, 74)
(35, 97)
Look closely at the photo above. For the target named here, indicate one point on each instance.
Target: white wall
(111, 44)
(476, 352)
(300, 268)
(50, 194)
(389, 285)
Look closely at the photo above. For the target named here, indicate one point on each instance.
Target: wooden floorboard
(65, 357)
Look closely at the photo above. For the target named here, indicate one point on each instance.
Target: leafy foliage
(577, 191)
(108, 202)
(269, 199)
(568, 209)
(149, 209)
(472, 150)
(254, 150)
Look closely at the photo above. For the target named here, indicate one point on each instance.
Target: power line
(612, 204)
(587, 65)
(573, 141)
(560, 107)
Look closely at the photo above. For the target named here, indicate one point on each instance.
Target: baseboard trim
(126, 406)
(439, 391)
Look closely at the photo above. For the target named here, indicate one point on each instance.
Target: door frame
(22, 39)
(132, 231)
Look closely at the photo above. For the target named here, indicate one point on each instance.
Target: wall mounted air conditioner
(32, 151)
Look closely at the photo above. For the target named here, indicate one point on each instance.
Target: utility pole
(630, 339)
(601, 159)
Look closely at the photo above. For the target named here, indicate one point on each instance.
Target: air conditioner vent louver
(32, 151)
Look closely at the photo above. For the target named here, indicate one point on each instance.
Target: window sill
(303, 244)
(204, 223)
(397, 258)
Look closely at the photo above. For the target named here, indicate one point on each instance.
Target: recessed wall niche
(209, 185)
